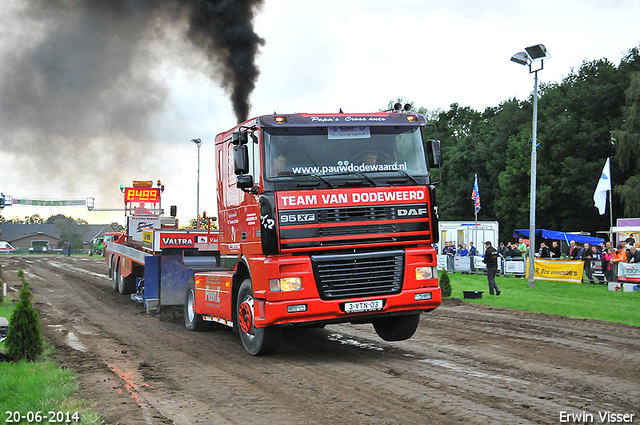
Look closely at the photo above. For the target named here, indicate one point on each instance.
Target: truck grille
(358, 275)
(348, 230)
(303, 229)
(355, 214)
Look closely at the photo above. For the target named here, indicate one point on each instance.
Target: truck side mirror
(240, 159)
(434, 153)
(244, 181)
(239, 138)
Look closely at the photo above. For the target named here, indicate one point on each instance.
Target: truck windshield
(327, 151)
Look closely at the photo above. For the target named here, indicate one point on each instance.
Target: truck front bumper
(301, 311)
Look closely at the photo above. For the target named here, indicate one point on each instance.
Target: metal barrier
(595, 270)
(514, 266)
(479, 265)
(463, 264)
(445, 262)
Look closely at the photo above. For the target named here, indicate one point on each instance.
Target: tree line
(593, 114)
(71, 230)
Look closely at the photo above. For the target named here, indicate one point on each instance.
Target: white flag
(604, 184)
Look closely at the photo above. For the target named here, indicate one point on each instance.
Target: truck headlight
(285, 284)
(423, 273)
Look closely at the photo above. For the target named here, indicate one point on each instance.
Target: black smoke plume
(224, 29)
(79, 87)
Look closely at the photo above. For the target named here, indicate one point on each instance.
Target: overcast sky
(318, 56)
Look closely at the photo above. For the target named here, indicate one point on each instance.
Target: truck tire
(256, 341)
(192, 321)
(115, 272)
(397, 328)
(126, 284)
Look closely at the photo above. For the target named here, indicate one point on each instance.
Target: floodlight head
(197, 141)
(521, 57)
(537, 52)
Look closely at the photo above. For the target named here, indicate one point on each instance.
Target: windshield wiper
(359, 174)
(319, 177)
(369, 179)
(407, 175)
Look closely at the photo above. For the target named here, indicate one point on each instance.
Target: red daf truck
(324, 218)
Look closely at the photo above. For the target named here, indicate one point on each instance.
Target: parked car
(6, 248)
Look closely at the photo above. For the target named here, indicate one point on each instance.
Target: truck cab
(324, 218)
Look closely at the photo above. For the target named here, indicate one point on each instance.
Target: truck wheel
(126, 285)
(397, 328)
(256, 341)
(115, 272)
(192, 320)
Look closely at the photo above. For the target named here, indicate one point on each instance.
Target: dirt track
(466, 363)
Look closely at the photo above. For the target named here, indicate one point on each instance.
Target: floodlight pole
(533, 53)
(198, 142)
(532, 205)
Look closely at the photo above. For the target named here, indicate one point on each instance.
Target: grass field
(583, 301)
(6, 308)
(41, 386)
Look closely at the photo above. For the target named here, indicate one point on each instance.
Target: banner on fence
(559, 270)
(513, 267)
(629, 272)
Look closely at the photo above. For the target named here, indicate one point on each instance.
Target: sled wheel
(192, 320)
(126, 284)
(115, 272)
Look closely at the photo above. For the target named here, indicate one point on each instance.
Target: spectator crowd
(605, 253)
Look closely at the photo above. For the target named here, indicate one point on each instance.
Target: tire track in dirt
(466, 363)
(207, 394)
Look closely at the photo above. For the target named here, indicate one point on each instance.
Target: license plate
(363, 306)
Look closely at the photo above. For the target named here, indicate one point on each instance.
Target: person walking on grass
(491, 260)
